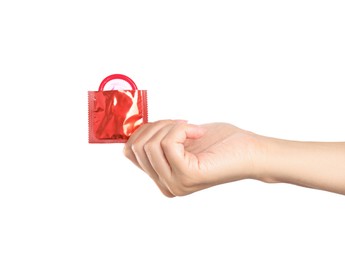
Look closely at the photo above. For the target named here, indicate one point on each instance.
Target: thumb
(173, 143)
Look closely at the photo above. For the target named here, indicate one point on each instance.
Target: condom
(116, 110)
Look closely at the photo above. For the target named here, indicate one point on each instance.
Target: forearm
(318, 165)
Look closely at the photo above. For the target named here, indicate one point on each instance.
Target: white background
(272, 67)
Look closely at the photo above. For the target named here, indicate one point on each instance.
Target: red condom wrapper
(116, 110)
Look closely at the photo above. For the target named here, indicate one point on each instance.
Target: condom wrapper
(116, 110)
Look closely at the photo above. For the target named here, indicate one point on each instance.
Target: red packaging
(116, 110)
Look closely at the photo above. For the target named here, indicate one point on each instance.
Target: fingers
(156, 156)
(127, 150)
(140, 137)
(173, 144)
(135, 150)
(158, 147)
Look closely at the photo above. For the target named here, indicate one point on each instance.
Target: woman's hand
(182, 158)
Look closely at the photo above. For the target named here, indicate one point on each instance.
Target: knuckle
(136, 147)
(127, 151)
(148, 147)
(166, 143)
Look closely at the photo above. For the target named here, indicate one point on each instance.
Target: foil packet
(116, 110)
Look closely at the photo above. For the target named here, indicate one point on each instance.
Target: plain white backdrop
(272, 67)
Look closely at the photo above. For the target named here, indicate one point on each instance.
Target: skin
(182, 158)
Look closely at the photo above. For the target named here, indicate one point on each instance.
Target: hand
(182, 158)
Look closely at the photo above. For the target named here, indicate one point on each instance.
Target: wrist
(270, 157)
